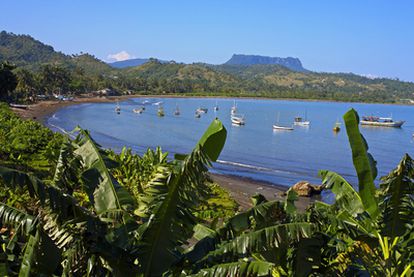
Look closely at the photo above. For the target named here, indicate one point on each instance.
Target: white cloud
(121, 56)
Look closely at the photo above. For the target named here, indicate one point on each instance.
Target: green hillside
(84, 73)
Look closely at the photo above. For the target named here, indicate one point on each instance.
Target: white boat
(202, 110)
(238, 120)
(216, 107)
(177, 111)
(160, 112)
(197, 114)
(299, 121)
(277, 126)
(117, 108)
(19, 106)
(138, 111)
(234, 108)
(157, 103)
(381, 121)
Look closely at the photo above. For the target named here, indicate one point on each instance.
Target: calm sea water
(253, 150)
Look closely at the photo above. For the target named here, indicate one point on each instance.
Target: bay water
(254, 150)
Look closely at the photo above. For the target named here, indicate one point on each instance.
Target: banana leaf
(397, 203)
(363, 162)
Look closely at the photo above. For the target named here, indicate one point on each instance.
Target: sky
(367, 37)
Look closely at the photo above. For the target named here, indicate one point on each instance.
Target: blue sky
(364, 37)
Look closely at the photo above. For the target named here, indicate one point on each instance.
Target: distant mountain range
(242, 75)
(237, 59)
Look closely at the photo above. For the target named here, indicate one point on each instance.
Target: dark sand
(240, 188)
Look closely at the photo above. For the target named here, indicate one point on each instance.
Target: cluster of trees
(94, 212)
(42, 70)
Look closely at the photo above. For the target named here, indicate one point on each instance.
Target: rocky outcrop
(306, 189)
(289, 62)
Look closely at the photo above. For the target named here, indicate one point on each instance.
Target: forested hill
(25, 51)
(243, 76)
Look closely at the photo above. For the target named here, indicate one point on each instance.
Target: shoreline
(43, 109)
(241, 189)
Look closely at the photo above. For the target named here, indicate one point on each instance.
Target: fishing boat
(277, 126)
(216, 107)
(117, 108)
(381, 121)
(238, 119)
(160, 112)
(177, 111)
(337, 126)
(234, 108)
(299, 121)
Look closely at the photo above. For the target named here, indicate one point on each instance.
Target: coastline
(43, 109)
(240, 188)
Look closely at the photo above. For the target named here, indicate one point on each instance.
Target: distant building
(107, 92)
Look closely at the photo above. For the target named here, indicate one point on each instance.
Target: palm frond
(279, 236)
(16, 219)
(398, 200)
(241, 268)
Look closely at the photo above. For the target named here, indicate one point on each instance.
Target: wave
(60, 129)
(255, 167)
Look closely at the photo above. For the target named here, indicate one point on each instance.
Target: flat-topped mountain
(289, 62)
(242, 75)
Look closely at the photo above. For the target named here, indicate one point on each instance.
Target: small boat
(117, 108)
(238, 119)
(139, 110)
(197, 115)
(19, 106)
(177, 111)
(202, 110)
(157, 103)
(234, 108)
(160, 112)
(381, 121)
(277, 126)
(337, 127)
(299, 121)
(216, 107)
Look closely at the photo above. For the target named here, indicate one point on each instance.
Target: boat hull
(302, 123)
(237, 122)
(395, 124)
(276, 127)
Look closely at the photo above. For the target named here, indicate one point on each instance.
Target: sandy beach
(240, 188)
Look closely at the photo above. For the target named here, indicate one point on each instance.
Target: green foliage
(8, 80)
(94, 212)
(53, 71)
(397, 199)
(364, 163)
(26, 144)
